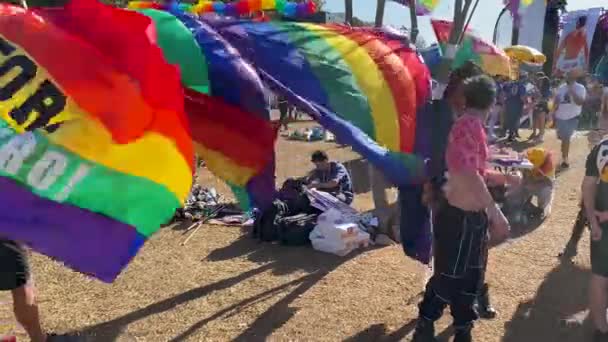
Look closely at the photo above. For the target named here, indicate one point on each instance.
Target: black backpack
(265, 226)
(294, 230)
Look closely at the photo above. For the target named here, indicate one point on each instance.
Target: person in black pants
(460, 229)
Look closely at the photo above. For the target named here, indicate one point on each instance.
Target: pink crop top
(467, 148)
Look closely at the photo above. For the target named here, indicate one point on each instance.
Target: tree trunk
(380, 13)
(461, 9)
(414, 22)
(348, 11)
(550, 38)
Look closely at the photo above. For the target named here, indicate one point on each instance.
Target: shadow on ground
(379, 332)
(557, 312)
(275, 258)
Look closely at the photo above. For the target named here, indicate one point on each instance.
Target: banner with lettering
(574, 46)
(115, 160)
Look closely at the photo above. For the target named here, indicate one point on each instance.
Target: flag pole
(466, 25)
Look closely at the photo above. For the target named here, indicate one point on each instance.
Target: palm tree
(348, 11)
(551, 29)
(413, 21)
(380, 13)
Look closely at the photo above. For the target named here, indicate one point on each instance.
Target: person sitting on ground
(331, 177)
(538, 182)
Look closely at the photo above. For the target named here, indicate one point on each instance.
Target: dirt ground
(224, 286)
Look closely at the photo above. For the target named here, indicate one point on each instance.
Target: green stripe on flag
(52, 172)
(180, 48)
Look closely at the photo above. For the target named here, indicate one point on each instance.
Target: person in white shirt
(569, 100)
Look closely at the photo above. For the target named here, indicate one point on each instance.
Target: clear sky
(483, 20)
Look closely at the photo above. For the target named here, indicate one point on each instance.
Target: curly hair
(479, 92)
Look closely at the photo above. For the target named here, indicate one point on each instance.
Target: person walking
(541, 108)
(284, 118)
(595, 202)
(569, 100)
(515, 94)
(461, 223)
(16, 278)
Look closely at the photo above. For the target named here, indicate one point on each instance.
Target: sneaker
(425, 331)
(565, 165)
(463, 334)
(484, 308)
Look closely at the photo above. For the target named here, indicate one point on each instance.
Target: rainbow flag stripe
(361, 84)
(226, 106)
(118, 159)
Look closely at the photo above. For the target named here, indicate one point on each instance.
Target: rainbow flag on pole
(119, 159)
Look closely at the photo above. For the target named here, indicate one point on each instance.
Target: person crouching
(538, 182)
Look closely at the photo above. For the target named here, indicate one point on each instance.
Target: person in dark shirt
(515, 94)
(541, 108)
(595, 202)
(284, 109)
(331, 177)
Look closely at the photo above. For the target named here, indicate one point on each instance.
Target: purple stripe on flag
(90, 243)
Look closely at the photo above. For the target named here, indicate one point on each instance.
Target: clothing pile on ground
(302, 217)
(205, 205)
(311, 134)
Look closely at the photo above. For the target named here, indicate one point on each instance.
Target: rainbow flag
(423, 7)
(360, 84)
(119, 159)
(237, 7)
(226, 105)
(490, 58)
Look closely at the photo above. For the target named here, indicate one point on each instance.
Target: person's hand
(499, 226)
(602, 216)
(499, 230)
(514, 180)
(596, 233)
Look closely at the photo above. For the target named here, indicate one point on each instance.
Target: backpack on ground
(295, 230)
(265, 226)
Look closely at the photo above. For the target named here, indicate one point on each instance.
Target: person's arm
(497, 178)
(586, 47)
(336, 175)
(588, 189)
(578, 95)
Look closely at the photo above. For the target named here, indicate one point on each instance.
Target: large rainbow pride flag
(225, 103)
(119, 159)
(364, 85)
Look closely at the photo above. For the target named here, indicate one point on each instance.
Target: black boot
(484, 308)
(463, 334)
(425, 331)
